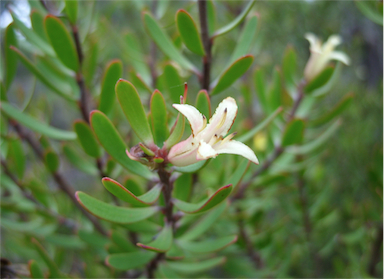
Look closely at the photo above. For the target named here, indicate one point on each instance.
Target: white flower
(207, 140)
(321, 54)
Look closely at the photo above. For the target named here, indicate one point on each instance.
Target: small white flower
(207, 140)
(321, 54)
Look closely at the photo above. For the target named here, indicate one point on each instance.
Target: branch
(58, 177)
(207, 43)
(376, 252)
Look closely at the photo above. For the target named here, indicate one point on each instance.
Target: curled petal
(331, 43)
(195, 118)
(314, 42)
(340, 56)
(236, 147)
(221, 122)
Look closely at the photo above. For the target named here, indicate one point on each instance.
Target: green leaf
(176, 132)
(87, 138)
(65, 241)
(71, 10)
(42, 77)
(164, 42)
(369, 11)
(320, 80)
(16, 153)
(289, 66)
(245, 40)
(162, 242)
(110, 139)
(189, 33)
(192, 168)
(203, 224)
(124, 194)
(93, 238)
(317, 142)
(139, 83)
(211, 14)
(25, 227)
(159, 118)
(90, 63)
(122, 242)
(203, 103)
(61, 42)
(196, 267)
(54, 271)
(79, 161)
(52, 160)
(207, 204)
(334, 79)
(260, 89)
(239, 173)
(133, 109)
(275, 94)
(182, 187)
(10, 56)
(164, 271)
(144, 226)
(34, 124)
(133, 187)
(173, 83)
(37, 21)
(112, 213)
(294, 132)
(175, 253)
(233, 24)
(335, 111)
(231, 74)
(35, 270)
(208, 246)
(112, 74)
(250, 134)
(128, 261)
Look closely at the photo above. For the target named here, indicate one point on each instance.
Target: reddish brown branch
(207, 43)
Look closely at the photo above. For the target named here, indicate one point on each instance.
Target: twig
(207, 43)
(58, 177)
(376, 252)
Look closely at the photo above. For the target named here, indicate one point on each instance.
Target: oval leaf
(177, 132)
(71, 10)
(36, 125)
(61, 42)
(110, 139)
(112, 73)
(235, 71)
(207, 204)
(17, 155)
(10, 56)
(173, 83)
(208, 246)
(203, 103)
(124, 194)
(112, 213)
(189, 33)
(87, 138)
(196, 267)
(159, 118)
(127, 261)
(52, 160)
(294, 132)
(320, 80)
(163, 241)
(76, 159)
(133, 109)
(35, 269)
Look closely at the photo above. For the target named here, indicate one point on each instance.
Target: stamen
(222, 121)
(228, 138)
(215, 139)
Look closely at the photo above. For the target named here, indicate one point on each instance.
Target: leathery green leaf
(112, 213)
(182, 187)
(261, 126)
(71, 10)
(122, 241)
(176, 132)
(294, 132)
(208, 246)
(127, 261)
(203, 224)
(260, 89)
(36, 125)
(289, 66)
(16, 153)
(87, 138)
(235, 22)
(245, 40)
(159, 118)
(52, 160)
(175, 253)
(231, 74)
(189, 33)
(320, 80)
(112, 73)
(239, 173)
(75, 158)
(37, 21)
(61, 42)
(275, 93)
(144, 226)
(54, 271)
(203, 103)
(164, 42)
(133, 187)
(35, 269)
(192, 168)
(112, 142)
(32, 67)
(133, 109)
(211, 13)
(173, 83)
(164, 271)
(335, 111)
(196, 267)
(10, 56)
(220, 195)
(124, 194)
(163, 241)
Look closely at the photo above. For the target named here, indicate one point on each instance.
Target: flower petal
(236, 147)
(205, 151)
(195, 118)
(314, 42)
(331, 43)
(221, 122)
(340, 56)
(184, 153)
